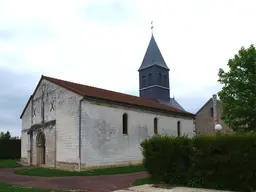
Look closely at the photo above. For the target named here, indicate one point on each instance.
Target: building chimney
(215, 110)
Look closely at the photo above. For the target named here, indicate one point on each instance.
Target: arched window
(155, 126)
(160, 79)
(125, 123)
(150, 79)
(178, 128)
(165, 80)
(144, 81)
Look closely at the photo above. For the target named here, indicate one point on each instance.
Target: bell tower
(154, 74)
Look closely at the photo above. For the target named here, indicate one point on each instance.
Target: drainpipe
(215, 110)
(79, 133)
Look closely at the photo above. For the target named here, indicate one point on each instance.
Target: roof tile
(85, 90)
(104, 94)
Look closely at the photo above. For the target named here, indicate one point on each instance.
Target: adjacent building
(208, 116)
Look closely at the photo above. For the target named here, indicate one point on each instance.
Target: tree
(238, 94)
(6, 135)
(15, 137)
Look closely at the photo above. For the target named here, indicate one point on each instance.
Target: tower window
(155, 126)
(160, 79)
(150, 79)
(178, 128)
(165, 80)
(125, 123)
(144, 81)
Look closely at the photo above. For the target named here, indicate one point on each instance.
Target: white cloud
(102, 43)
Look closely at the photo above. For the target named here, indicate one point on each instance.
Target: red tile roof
(111, 96)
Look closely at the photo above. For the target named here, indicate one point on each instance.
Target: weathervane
(152, 27)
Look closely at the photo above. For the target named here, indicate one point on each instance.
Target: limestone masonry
(73, 126)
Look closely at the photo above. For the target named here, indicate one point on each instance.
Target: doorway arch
(40, 145)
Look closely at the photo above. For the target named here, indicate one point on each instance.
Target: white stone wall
(26, 124)
(67, 122)
(65, 112)
(24, 144)
(26, 118)
(29, 118)
(103, 142)
(66, 108)
(50, 90)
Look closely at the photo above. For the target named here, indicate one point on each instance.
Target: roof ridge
(106, 90)
(108, 95)
(208, 101)
(94, 87)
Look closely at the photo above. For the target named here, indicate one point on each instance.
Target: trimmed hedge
(167, 158)
(10, 149)
(219, 162)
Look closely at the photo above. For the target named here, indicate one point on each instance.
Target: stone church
(72, 126)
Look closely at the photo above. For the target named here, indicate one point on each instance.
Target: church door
(40, 145)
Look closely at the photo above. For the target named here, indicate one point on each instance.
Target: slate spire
(153, 56)
(154, 81)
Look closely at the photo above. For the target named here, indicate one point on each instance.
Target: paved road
(104, 183)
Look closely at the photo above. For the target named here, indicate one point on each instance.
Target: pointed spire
(153, 55)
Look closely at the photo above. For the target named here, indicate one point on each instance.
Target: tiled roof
(103, 94)
(172, 103)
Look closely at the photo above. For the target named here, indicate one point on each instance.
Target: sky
(102, 43)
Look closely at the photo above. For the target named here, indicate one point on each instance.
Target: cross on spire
(152, 27)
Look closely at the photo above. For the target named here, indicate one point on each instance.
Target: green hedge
(220, 162)
(10, 149)
(167, 158)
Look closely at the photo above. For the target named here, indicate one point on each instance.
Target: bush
(167, 159)
(220, 162)
(10, 149)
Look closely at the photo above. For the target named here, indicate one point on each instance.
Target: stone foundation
(75, 166)
(24, 161)
(67, 166)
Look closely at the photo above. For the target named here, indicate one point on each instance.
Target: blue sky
(102, 43)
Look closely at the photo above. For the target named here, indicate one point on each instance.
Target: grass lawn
(9, 163)
(45, 172)
(16, 188)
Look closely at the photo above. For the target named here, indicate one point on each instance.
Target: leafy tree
(238, 94)
(15, 137)
(6, 135)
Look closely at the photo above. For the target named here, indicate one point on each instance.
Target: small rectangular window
(178, 128)
(211, 111)
(125, 124)
(155, 126)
